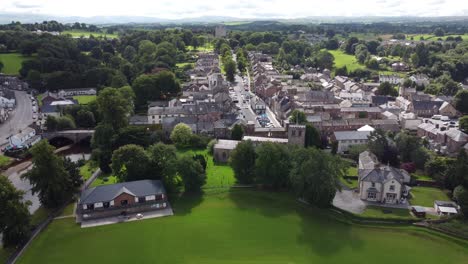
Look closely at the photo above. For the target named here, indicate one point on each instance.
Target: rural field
(240, 226)
(87, 34)
(84, 99)
(12, 62)
(343, 59)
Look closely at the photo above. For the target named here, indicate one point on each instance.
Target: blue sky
(173, 9)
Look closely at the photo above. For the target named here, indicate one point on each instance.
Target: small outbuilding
(418, 211)
(222, 150)
(446, 208)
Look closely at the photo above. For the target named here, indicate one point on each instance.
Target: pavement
(20, 118)
(349, 200)
(118, 219)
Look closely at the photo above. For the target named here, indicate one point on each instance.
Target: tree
(439, 32)
(355, 150)
(461, 101)
(230, 69)
(386, 88)
(191, 172)
(51, 123)
(463, 123)
(210, 146)
(15, 218)
(48, 176)
(312, 137)
(85, 118)
(315, 176)
(243, 162)
(460, 194)
(272, 165)
(115, 106)
(406, 144)
(297, 117)
(102, 145)
(65, 122)
(160, 86)
(181, 135)
(74, 171)
(350, 45)
(163, 160)
(237, 132)
(1, 66)
(130, 163)
(324, 59)
(382, 148)
(137, 135)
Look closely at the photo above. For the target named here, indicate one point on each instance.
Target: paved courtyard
(131, 217)
(348, 200)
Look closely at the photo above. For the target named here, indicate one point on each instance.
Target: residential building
(223, 148)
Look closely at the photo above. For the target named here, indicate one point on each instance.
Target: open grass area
(85, 99)
(208, 47)
(236, 23)
(432, 37)
(343, 59)
(12, 62)
(5, 161)
(217, 175)
(40, 215)
(87, 170)
(425, 196)
(241, 226)
(69, 209)
(183, 64)
(104, 179)
(87, 34)
(422, 176)
(385, 212)
(459, 226)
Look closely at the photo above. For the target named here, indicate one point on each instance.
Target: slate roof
(427, 105)
(381, 174)
(106, 193)
(351, 135)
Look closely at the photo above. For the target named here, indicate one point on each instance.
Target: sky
(175, 9)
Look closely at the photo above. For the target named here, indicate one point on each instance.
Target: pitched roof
(106, 193)
(381, 174)
(351, 135)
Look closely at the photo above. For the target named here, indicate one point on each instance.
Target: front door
(391, 198)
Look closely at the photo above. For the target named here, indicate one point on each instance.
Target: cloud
(25, 5)
(174, 9)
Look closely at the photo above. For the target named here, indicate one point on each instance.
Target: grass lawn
(87, 170)
(208, 47)
(236, 23)
(351, 183)
(433, 37)
(384, 212)
(104, 179)
(12, 62)
(5, 161)
(425, 196)
(39, 216)
(343, 59)
(241, 226)
(68, 210)
(183, 64)
(456, 225)
(87, 34)
(217, 175)
(420, 175)
(84, 99)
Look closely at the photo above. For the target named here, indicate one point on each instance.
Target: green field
(236, 23)
(343, 59)
(87, 34)
(183, 64)
(104, 179)
(208, 47)
(433, 37)
(12, 62)
(84, 99)
(425, 196)
(385, 212)
(87, 170)
(241, 227)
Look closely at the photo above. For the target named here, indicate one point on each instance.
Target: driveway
(349, 201)
(20, 118)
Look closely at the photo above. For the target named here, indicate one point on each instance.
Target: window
(373, 184)
(90, 206)
(142, 199)
(392, 187)
(105, 204)
(371, 195)
(294, 133)
(300, 133)
(124, 202)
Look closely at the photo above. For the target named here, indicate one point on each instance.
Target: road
(20, 118)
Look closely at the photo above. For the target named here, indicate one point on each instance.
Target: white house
(76, 92)
(379, 183)
(24, 139)
(7, 103)
(346, 139)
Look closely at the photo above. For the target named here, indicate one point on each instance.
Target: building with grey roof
(121, 199)
(347, 139)
(223, 148)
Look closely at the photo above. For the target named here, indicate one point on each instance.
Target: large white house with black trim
(380, 183)
(121, 199)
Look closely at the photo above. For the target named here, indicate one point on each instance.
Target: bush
(65, 122)
(210, 146)
(409, 167)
